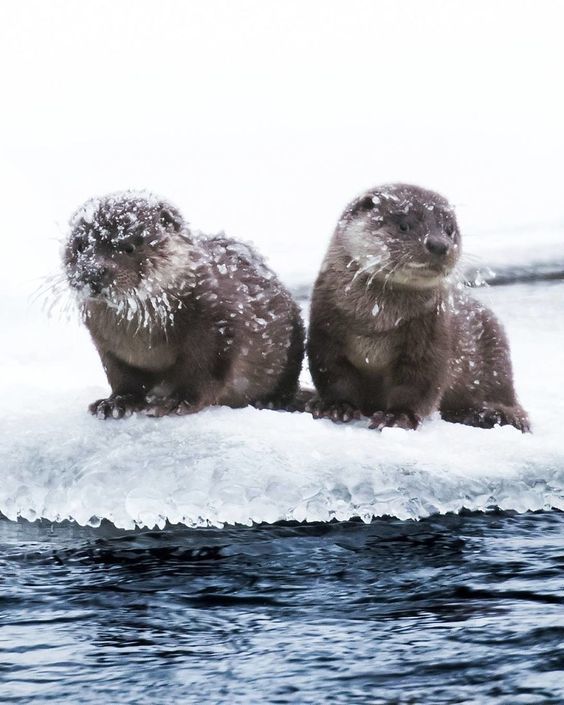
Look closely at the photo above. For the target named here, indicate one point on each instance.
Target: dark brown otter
(180, 321)
(392, 334)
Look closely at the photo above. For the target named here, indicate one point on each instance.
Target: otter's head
(401, 234)
(120, 243)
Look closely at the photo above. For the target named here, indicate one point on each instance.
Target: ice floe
(241, 466)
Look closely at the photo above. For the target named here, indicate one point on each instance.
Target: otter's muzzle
(95, 277)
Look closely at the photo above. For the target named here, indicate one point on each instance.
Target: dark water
(465, 609)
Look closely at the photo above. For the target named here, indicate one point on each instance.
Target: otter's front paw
(490, 416)
(115, 406)
(170, 407)
(339, 412)
(397, 419)
(517, 417)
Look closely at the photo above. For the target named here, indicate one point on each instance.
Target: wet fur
(396, 350)
(217, 328)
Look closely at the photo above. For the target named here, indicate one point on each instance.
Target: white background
(264, 118)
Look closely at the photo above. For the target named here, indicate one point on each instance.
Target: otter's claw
(339, 412)
(397, 419)
(169, 407)
(114, 407)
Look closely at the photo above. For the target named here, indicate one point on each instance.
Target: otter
(181, 321)
(393, 335)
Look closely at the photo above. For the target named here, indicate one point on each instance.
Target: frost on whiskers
(135, 253)
(55, 298)
(129, 251)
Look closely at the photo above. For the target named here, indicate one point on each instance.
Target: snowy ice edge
(233, 467)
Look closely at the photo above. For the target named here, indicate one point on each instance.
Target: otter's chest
(371, 354)
(144, 352)
(135, 345)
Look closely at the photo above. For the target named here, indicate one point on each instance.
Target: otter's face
(402, 234)
(116, 243)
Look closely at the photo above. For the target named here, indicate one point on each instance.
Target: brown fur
(180, 321)
(392, 336)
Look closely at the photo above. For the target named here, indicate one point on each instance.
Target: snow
(242, 466)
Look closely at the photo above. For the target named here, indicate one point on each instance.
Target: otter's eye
(449, 230)
(404, 227)
(80, 245)
(128, 247)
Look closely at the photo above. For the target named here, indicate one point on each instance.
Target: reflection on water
(465, 609)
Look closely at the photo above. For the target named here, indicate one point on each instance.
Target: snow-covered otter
(180, 321)
(392, 335)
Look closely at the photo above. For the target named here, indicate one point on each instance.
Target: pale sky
(265, 118)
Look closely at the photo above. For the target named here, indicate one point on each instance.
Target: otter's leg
(129, 386)
(484, 394)
(340, 386)
(286, 396)
(416, 379)
(195, 381)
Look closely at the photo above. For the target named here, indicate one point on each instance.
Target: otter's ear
(364, 203)
(170, 217)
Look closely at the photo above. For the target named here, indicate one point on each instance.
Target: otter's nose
(436, 246)
(97, 276)
(98, 273)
